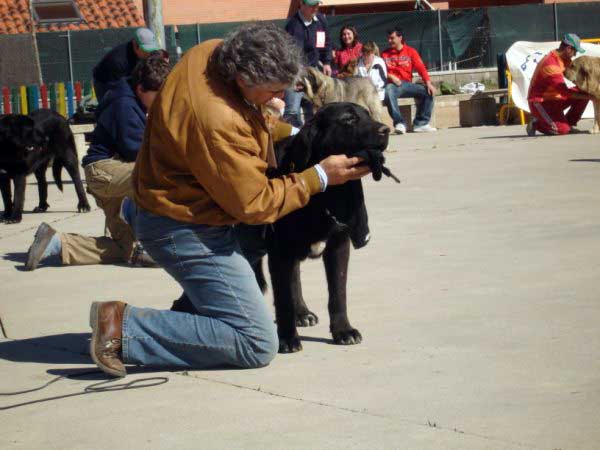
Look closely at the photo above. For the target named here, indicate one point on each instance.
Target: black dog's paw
(41, 208)
(307, 319)
(347, 337)
(12, 218)
(290, 345)
(83, 207)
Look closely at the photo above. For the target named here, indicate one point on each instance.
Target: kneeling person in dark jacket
(108, 164)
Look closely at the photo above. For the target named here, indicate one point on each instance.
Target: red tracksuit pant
(551, 117)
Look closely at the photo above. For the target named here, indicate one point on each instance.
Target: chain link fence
(450, 39)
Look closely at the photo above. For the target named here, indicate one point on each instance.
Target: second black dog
(27, 145)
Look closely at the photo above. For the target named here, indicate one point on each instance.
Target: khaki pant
(109, 181)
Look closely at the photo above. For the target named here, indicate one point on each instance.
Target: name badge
(320, 39)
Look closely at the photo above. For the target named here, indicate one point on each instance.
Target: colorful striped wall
(61, 97)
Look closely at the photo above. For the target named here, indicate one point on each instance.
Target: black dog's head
(20, 139)
(337, 128)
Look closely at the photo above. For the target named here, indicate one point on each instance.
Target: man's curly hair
(150, 73)
(260, 53)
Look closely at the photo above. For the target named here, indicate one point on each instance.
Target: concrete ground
(478, 300)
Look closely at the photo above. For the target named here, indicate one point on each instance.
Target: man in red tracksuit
(549, 96)
(401, 60)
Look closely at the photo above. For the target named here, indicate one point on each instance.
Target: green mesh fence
(88, 48)
(580, 18)
(519, 23)
(54, 56)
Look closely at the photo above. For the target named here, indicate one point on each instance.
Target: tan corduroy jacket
(205, 151)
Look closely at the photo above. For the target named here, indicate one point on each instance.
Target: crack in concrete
(364, 411)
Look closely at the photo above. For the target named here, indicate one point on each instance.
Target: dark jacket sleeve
(113, 66)
(325, 53)
(295, 29)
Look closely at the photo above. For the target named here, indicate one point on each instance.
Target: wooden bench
(79, 133)
(459, 110)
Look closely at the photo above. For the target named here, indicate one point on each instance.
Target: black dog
(27, 145)
(335, 217)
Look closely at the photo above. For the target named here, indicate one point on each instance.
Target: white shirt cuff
(322, 177)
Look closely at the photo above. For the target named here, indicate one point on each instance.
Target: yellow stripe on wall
(23, 95)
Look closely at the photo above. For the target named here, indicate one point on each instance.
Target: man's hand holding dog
(340, 168)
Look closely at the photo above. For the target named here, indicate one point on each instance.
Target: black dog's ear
(298, 151)
(348, 118)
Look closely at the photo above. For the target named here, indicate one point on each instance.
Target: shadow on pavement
(67, 348)
(21, 257)
(584, 160)
(513, 136)
(317, 339)
(98, 387)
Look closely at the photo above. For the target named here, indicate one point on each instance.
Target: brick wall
(207, 11)
(214, 11)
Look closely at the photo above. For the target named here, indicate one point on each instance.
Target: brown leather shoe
(106, 320)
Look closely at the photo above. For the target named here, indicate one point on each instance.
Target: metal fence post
(555, 23)
(197, 33)
(154, 20)
(70, 55)
(439, 14)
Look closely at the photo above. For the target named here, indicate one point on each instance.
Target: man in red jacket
(549, 95)
(401, 60)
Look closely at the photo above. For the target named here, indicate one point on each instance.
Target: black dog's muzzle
(373, 157)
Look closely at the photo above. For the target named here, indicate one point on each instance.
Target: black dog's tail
(58, 164)
(56, 173)
(260, 276)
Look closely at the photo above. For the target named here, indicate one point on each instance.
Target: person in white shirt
(371, 65)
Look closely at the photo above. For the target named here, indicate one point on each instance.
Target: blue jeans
(233, 325)
(409, 90)
(293, 104)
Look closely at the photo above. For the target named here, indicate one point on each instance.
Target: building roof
(97, 14)
(360, 2)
